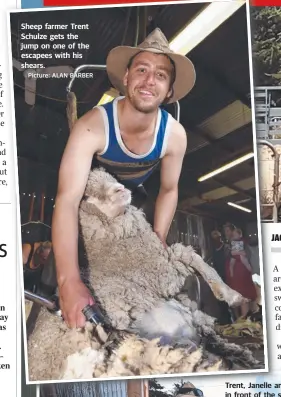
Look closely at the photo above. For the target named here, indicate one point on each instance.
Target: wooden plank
(28, 308)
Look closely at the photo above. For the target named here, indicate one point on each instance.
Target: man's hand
(74, 296)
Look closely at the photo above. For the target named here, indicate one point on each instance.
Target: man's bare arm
(167, 199)
(83, 143)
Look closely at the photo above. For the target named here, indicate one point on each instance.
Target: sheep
(137, 284)
(139, 267)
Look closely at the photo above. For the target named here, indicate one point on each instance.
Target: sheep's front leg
(221, 291)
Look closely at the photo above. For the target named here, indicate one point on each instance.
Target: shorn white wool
(136, 356)
(81, 365)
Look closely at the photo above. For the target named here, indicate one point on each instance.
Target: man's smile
(146, 93)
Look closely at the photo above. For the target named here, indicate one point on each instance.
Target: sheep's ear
(102, 207)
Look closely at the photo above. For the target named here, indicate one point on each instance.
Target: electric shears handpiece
(92, 314)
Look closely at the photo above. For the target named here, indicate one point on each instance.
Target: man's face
(148, 81)
(216, 236)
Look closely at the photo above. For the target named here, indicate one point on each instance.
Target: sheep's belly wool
(128, 282)
(130, 270)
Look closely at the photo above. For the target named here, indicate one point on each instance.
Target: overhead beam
(196, 130)
(224, 82)
(219, 193)
(194, 211)
(238, 189)
(231, 117)
(192, 162)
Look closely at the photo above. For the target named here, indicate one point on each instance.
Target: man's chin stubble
(144, 108)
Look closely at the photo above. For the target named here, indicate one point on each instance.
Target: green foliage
(156, 390)
(177, 386)
(266, 44)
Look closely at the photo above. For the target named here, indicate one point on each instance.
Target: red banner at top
(264, 3)
(65, 3)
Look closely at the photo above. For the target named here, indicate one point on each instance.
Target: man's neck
(133, 121)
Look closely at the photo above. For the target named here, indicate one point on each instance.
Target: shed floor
(258, 353)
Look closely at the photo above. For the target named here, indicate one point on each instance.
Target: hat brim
(119, 57)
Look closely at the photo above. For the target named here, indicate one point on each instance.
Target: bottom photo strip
(242, 385)
(173, 387)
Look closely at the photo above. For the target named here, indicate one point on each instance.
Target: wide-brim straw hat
(188, 385)
(119, 57)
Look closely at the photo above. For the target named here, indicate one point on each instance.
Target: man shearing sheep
(129, 137)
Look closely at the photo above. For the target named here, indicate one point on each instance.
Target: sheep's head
(108, 195)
